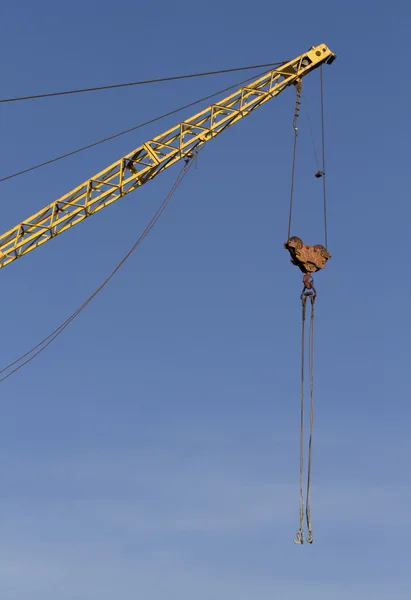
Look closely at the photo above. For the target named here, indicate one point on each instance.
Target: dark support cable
(133, 83)
(116, 135)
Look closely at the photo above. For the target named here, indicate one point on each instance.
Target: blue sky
(152, 451)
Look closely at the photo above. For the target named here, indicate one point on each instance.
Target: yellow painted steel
(152, 157)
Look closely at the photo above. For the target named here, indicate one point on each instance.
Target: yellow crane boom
(153, 157)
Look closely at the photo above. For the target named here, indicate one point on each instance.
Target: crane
(154, 156)
(151, 158)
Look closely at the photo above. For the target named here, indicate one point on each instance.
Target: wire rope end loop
(310, 537)
(299, 538)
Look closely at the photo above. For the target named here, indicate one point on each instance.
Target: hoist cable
(41, 346)
(323, 157)
(292, 183)
(298, 87)
(320, 171)
(308, 293)
(310, 538)
(121, 133)
(299, 538)
(134, 83)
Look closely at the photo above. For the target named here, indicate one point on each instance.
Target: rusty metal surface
(308, 259)
(309, 290)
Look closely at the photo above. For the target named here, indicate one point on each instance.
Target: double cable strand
(311, 295)
(310, 538)
(323, 158)
(299, 538)
(298, 87)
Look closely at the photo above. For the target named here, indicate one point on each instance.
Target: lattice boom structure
(153, 157)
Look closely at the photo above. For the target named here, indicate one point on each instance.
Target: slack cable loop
(308, 293)
(41, 346)
(310, 538)
(299, 538)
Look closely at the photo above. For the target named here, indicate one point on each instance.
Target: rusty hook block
(308, 259)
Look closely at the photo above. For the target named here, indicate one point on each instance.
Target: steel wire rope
(299, 538)
(135, 83)
(125, 131)
(41, 346)
(311, 133)
(323, 157)
(310, 537)
(320, 171)
(298, 88)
